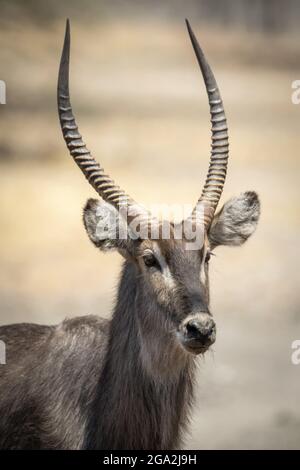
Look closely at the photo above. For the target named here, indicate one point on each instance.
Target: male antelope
(126, 383)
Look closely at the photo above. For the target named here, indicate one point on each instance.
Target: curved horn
(91, 169)
(216, 175)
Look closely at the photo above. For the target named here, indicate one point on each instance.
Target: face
(178, 278)
(175, 275)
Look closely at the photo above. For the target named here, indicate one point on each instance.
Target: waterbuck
(125, 383)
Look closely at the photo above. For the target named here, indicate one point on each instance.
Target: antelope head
(174, 275)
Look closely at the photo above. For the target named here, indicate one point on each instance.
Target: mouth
(195, 347)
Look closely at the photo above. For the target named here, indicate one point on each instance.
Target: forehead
(175, 250)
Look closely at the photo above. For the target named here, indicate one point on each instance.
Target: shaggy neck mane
(146, 381)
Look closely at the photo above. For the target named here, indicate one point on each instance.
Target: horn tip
(189, 28)
(67, 40)
(67, 28)
(187, 23)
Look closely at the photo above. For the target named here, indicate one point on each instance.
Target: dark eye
(150, 261)
(207, 257)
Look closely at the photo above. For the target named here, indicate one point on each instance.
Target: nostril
(192, 329)
(200, 330)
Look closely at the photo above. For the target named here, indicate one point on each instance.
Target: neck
(146, 384)
(141, 326)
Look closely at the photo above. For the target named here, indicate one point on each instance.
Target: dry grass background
(141, 106)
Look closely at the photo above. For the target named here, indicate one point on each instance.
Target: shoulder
(89, 330)
(85, 324)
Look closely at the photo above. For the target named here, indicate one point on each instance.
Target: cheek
(163, 291)
(207, 283)
(204, 279)
(203, 273)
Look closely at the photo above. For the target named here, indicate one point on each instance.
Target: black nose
(201, 328)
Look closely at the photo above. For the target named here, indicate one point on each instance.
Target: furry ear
(236, 221)
(105, 227)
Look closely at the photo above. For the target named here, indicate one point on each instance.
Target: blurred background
(142, 108)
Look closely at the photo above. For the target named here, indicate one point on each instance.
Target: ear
(236, 221)
(106, 228)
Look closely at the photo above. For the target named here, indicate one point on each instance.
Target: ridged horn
(91, 169)
(216, 175)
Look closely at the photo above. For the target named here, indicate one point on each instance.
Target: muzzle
(197, 332)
